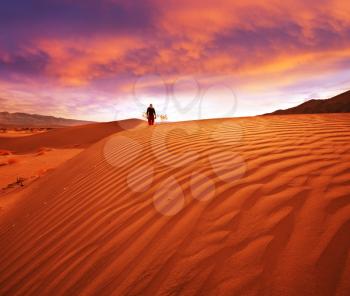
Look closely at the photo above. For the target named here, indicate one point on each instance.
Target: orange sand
(67, 137)
(15, 134)
(249, 206)
(32, 165)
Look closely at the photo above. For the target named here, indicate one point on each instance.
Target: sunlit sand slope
(67, 137)
(250, 206)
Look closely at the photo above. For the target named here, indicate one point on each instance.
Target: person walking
(151, 114)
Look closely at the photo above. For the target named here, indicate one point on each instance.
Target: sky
(107, 60)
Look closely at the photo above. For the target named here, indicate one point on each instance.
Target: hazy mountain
(34, 120)
(337, 104)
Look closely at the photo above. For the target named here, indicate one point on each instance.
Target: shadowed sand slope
(250, 206)
(67, 137)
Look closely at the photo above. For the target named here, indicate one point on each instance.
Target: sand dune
(249, 206)
(67, 137)
(30, 166)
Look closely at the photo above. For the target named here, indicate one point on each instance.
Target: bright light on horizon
(180, 99)
(176, 55)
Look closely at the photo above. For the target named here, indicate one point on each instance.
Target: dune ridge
(67, 137)
(249, 206)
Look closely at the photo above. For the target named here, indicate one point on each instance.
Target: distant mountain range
(34, 120)
(337, 104)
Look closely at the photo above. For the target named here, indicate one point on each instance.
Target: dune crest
(262, 208)
(68, 137)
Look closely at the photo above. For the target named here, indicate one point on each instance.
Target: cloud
(105, 46)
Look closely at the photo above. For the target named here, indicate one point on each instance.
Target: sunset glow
(108, 59)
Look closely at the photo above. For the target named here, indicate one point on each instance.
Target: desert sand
(17, 134)
(67, 137)
(31, 165)
(245, 206)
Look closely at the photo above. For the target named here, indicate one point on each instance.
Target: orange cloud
(109, 44)
(207, 37)
(74, 62)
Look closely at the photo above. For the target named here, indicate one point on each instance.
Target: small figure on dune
(151, 115)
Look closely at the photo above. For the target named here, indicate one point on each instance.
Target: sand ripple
(250, 206)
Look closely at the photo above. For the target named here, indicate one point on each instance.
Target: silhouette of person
(151, 115)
